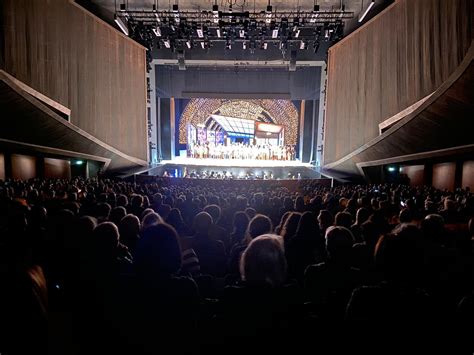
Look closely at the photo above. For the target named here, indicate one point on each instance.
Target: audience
(201, 269)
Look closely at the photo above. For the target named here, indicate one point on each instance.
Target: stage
(239, 168)
(237, 163)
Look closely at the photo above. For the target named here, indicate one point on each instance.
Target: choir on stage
(242, 151)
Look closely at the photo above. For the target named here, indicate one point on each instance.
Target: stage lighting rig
(180, 29)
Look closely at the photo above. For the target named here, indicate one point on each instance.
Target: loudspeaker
(181, 64)
(292, 66)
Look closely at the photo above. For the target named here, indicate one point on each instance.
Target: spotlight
(315, 14)
(372, 3)
(292, 66)
(156, 13)
(181, 63)
(121, 24)
(268, 14)
(157, 31)
(316, 47)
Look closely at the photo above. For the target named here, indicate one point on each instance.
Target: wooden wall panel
(468, 174)
(57, 168)
(23, 166)
(76, 59)
(444, 176)
(2, 166)
(401, 56)
(416, 174)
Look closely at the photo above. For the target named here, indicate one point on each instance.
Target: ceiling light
(372, 3)
(275, 33)
(121, 24)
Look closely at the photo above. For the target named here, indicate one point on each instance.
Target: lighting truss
(184, 30)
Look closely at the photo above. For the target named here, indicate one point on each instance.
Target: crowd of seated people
(114, 267)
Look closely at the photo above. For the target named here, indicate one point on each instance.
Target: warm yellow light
(281, 112)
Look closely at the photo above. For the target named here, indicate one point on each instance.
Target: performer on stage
(241, 151)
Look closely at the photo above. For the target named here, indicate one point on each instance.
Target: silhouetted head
(250, 212)
(290, 226)
(129, 228)
(308, 226)
(137, 201)
(299, 204)
(122, 200)
(117, 214)
(103, 211)
(405, 216)
(174, 218)
(214, 211)
(240, 222)
(432, 227)
(158, 253)
(151, 219)
(263, 262)
(325, 219)
(202, 222)
(106, 238)
(339, 241)
(343, 219)
(399, 255)
(363, 215)
(258, 225)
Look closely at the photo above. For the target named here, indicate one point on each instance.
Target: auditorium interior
(208, 176)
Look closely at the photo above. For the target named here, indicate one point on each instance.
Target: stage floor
(236, 163)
